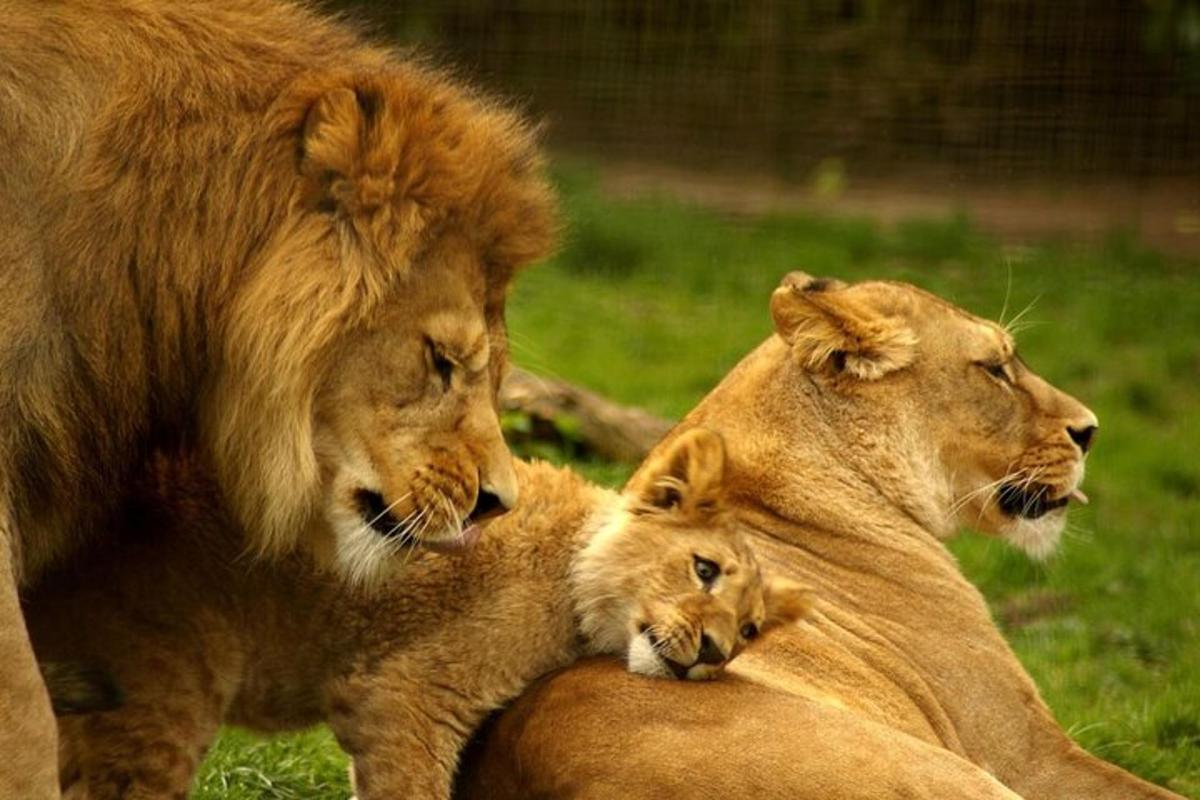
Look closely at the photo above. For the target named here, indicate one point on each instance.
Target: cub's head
(942, 395)
(354, 401)
(669, 580)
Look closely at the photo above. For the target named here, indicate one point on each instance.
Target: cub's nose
(1082, 436)
(709, 652)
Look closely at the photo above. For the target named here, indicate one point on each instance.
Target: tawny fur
(403, 676)
(902, 687)
(201, 203)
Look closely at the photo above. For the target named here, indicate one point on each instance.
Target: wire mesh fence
(998, 88)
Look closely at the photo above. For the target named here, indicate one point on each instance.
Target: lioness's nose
(1082, 436)
(1082, 426)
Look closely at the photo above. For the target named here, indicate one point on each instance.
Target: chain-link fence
(997, 88)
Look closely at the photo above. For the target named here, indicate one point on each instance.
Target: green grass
(651, 302)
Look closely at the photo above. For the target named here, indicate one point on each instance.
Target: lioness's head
(364, 345)
(670, 580)
(939, 394)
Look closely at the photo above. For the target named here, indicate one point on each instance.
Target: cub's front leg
(404, 730)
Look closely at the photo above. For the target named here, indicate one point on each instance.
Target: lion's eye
(443, 366)
(749, 631)
(707, 571)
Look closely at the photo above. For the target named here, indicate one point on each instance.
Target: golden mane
(190, 148)
(202, 205)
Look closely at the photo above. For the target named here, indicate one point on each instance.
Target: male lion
(875, 422)
(235, 225)
(403, 675)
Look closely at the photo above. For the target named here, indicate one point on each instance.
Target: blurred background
(1011, 108)
(1028, 159)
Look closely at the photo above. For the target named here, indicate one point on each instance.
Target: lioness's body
(206, 211)
(850, 474)
(403, 674)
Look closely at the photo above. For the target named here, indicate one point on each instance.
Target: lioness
(872, 425)
(403, 675)
(237, 225)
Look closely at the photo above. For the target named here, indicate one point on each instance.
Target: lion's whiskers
(366, 527)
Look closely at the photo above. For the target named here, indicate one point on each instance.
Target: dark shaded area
(996, 88)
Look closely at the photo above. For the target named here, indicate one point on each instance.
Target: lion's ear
(687, 477)
(336, 152)
(831, 330)
(785, 600)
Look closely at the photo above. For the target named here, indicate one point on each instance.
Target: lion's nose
(1082, 436)
(709, 652)
(488, 504)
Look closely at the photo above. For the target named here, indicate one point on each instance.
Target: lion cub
(659, 574)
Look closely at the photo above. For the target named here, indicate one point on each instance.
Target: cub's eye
(443, 366)
(707, 571)
(996, 369)
(749, 631)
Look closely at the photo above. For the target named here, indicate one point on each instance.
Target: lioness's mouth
(1033, 501)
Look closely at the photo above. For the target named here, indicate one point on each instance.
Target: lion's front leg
(28, 738)
(404, 737)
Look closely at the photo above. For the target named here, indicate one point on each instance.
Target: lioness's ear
(830, 329)
(785, 600)
(687, 477)
(335, 152)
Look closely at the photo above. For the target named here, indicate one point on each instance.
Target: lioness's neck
(815, 459)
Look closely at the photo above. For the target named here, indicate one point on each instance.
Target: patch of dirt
(1029, 607)
(1163, 213)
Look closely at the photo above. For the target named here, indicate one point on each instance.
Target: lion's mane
(202, 200)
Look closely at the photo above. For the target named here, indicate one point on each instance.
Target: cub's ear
(831, 330)
(687, 477)
(337, 154)
(785, 600)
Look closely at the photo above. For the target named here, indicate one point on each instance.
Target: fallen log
(610, 430)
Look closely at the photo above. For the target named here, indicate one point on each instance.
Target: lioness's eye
(707, 571)
(442, 365)
(996, 369)
(749, 631)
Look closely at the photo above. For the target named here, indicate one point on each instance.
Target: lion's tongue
(468, 537)
(1079, 497)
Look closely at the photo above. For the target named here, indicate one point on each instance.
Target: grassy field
(651, 303)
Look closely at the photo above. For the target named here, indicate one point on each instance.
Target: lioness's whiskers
(1007, 294)
(1077, 533)
(990, 488)
(994, 488)
(1012, 322)
(971, 495)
